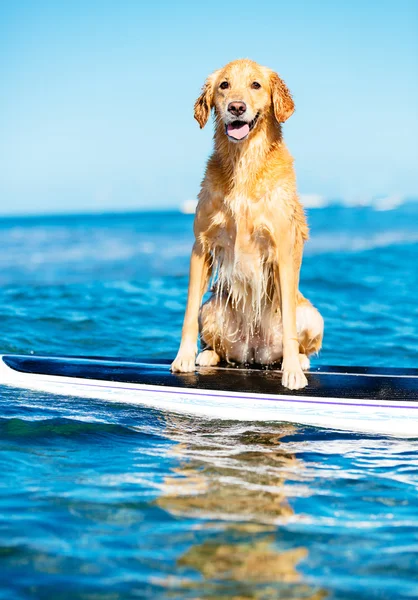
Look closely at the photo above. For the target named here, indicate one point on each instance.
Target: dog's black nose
(237, 108)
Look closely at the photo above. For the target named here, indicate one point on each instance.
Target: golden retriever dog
(249, 229)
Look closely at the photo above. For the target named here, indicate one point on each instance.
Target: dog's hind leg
(207, 358)
(221, 333)
(310, 328)
(210, 332)
(305, 363)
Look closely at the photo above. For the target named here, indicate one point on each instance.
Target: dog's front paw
(184, 361)
(293, 377)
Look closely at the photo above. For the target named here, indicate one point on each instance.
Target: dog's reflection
(234, 476)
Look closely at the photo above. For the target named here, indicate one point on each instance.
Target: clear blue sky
(96, 96)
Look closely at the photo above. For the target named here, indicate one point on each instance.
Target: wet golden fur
(249, 233)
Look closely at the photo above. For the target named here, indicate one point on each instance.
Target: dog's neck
(243, 161)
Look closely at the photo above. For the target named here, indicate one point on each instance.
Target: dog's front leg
(198, 281)
(289, 259)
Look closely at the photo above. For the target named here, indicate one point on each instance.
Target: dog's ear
(204, 103)
(283, 104)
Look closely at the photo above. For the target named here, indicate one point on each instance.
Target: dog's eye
(255, 85)
(224, 85)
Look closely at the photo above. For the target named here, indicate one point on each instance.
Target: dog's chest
(240, 245)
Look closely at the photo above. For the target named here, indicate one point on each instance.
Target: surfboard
(358, 399)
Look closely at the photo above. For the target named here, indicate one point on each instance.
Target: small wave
(36, 430)
(322, 243)
(379, 203)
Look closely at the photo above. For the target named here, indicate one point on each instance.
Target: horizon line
(379, 204)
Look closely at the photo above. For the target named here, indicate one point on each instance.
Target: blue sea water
(108, 502)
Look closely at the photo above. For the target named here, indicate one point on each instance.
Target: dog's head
(243, 93)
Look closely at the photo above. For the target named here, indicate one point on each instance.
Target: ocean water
(108, 502)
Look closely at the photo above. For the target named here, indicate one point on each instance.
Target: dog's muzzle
(238, 130)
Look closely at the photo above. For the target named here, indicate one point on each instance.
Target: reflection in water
(234, 476)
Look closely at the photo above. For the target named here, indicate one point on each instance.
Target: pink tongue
(238, 132)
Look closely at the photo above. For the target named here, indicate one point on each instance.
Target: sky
(96, 97)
